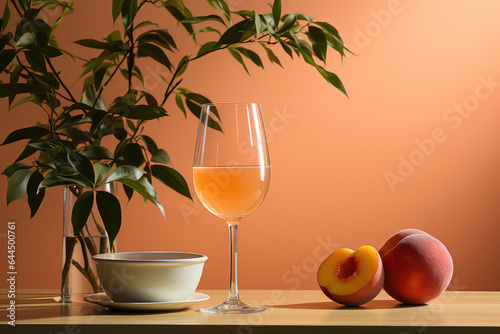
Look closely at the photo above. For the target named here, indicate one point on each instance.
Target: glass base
(233, 306)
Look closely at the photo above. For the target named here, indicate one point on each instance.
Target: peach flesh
(347, 269)
(352, 278)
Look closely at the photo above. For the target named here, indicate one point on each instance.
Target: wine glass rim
(237, 103)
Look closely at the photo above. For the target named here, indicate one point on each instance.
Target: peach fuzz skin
(417, 266)
(363, 285)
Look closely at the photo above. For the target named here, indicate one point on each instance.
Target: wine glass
(231, 172)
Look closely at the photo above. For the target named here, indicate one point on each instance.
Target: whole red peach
(417, 266)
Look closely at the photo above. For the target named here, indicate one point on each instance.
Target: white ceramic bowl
(149, 276)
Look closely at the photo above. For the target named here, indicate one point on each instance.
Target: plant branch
(169, 89)
(109, 79)
(27, 71)
(47, 59)
(17, 8)
(131, 56)
(64, 97)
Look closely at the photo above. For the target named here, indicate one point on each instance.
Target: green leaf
(305, 17)
(128, 191)
(25, 39)
(270, 54)
(5, 16)
(331, 29)
(42, 31)
(28, 151)
(150, 144)
(259, 25)
(125, 172)
(35, 197)
(90, 98)
(145, 24)
(195, 108)
(132, 153)
(152, 51)
(277, 12)
(117, 9)
(254, 57)
(150, 99)
(96, 152)
(16, 188)
(54, 180)
(82, 165)
(111, 213)
(11, 169)
(161, 156)
(206, 48)
(289, 22)
(143, 112)
(37, 61)
(200, 99)
(95, 62)
(182, 66)
(245, 13)
(9, 89)
(32, 132)
(67, 8)
(206, 29)
(157, 37)
(199, 19)
(238, 57)
(4, 40)
(131, 125)
(145, 189)
(318, 41)
(92, 43)
(180, 12)
(81, 211)
(129, 10)
(234, 34)
(6, 57)
(225, 9)
(171, 178)
(101, 172)
(286, 48)
(46, 50)
(333, 80)
(29, 98)
(180, 104)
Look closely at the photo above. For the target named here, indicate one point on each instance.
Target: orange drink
(232, 192)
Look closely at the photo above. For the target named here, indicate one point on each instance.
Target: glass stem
(233, 283)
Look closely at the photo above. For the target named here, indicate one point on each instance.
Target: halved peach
(352, 277)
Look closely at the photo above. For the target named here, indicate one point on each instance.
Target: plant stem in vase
(79, 274)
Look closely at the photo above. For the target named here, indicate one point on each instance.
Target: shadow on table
(44, 308)
(374, 304)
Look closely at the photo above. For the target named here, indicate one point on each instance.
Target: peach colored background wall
(424, 87)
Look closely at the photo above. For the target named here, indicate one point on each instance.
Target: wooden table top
(291, 311)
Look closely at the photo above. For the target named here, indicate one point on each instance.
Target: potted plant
(65, 146)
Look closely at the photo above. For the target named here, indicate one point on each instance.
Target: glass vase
(79, 275)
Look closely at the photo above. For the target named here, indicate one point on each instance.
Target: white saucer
(103, 300)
